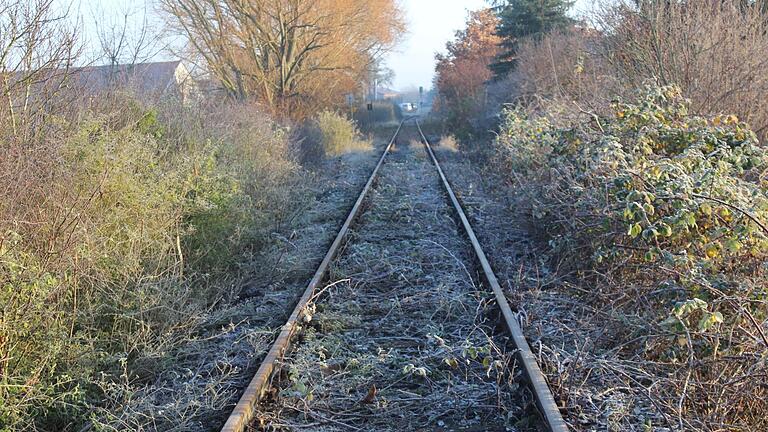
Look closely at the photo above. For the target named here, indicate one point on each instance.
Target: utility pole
(421, 98)
(351, 103)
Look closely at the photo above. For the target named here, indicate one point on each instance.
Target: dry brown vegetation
(117, 231)
(717, 52)
(462, 73)
(632, 156)
(652, 224)
(714, 51)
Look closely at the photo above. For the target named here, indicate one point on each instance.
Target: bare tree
(717, 51)
(37, 49)
(127, 38)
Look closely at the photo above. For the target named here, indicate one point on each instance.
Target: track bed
(402, 336)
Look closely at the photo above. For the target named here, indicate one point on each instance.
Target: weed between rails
(402, 338)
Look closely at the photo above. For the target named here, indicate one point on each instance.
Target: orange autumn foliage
(295, 56)
(464, 70)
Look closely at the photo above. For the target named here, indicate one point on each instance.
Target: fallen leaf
(369, 398)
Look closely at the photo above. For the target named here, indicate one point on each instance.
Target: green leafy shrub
(665, 202)
(33, 340)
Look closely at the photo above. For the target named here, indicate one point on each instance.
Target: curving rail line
(244, 411)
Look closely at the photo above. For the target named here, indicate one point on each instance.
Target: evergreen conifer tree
(521, 19)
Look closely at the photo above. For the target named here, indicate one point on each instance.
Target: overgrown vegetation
(461, 74)
(713, 52)
(131, 235)
(635, 144)
(128, 220)
(330, 134)
(123, 220)
(672, 207)
(340, 135)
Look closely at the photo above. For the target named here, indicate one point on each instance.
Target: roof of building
(157, 77)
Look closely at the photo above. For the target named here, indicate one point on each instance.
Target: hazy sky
(431, 23)
(111, 14)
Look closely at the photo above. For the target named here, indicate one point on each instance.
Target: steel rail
(244, 411)
(541, 391)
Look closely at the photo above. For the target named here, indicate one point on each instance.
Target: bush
(714, 52)
(565, 66)
(339, 135)
(117, 229)
(674, 205)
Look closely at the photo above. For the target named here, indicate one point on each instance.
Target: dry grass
(449, 143)
(640, 329)
(597, 389)
(566, 66)
(340, 135)
(648, 323)
(201, 374)
(328, 136)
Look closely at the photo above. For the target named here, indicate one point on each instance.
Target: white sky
(430, 23)
(110, 14)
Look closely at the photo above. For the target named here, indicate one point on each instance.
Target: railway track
(405, 336)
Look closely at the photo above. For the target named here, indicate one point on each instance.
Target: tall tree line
(463, 71)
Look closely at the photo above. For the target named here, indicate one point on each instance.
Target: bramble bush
(675, 207)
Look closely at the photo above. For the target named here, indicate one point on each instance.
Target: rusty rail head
(541, 391)
(244, 411)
